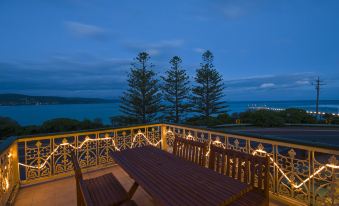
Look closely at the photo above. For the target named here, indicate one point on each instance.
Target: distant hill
(20, 99)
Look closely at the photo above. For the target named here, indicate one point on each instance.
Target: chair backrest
(83, 196)
(190, 150)
(77, 169)
(244, 167)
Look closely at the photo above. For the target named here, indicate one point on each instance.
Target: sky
(265, 50)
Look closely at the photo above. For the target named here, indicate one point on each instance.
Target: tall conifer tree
(141, 102)
(176, 91)
(208, 90)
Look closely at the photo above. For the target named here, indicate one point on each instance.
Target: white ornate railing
(49, 156)
(304, 174)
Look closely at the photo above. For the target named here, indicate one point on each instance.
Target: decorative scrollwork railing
(49, 157)
(304, 174)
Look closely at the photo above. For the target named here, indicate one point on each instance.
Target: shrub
(60, 125)
(298, 116)
(65, 124)
(121, 120)
(8, 127)
(262, 118)
(211, 121)
(331, 119)
(88, 124)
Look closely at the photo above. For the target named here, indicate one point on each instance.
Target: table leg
(132, 190)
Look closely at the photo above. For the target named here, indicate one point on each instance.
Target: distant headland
(21, 99)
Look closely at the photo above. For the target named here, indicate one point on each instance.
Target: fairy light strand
(84, 142)
(296, 186)
(287, 178)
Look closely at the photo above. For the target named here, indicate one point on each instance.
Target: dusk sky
(265, 50)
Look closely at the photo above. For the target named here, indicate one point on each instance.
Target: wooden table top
(171, 180)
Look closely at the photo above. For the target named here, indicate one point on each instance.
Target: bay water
(37, 114)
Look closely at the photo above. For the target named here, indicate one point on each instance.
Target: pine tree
(176, 90)
(208, 91)
(141, 102)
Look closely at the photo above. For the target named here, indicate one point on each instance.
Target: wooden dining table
(171, 180)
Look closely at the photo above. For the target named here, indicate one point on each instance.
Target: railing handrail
(296, 143)
(290, 142)
(10, 140)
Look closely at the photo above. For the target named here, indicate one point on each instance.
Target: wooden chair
(102, 190)
(190, 150)
(246, 168)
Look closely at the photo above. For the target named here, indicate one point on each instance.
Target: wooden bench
(190, 150)
(103, 190)
(246, 168)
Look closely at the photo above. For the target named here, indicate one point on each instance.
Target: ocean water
(37, 114)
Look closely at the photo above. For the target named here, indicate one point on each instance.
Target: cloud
(233, 12)
(176, 43)
(280, 87)
(86, 30)
(154, 48)
(303, 82)
(153, 52)
(73, 76)
(201, 18)
(199, 50)
(265, 82)
(223, 9)
(267, 85)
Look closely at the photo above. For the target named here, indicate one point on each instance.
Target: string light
(149, 142)
(83, 143)
(5, 187)
(310, 177)
(332, 166)
(279, 168)
(156, 144)
(288, 179)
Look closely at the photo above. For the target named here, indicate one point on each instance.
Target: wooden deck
(62, 192)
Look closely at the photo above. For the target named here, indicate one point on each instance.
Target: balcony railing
(304, 174)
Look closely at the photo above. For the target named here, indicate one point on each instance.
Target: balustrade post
(275, 169)
(97, 149)
(248, 146)
(163, 137)
(15, 158)
(313, 181)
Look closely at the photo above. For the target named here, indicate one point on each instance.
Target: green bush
(29, 130)
(65, 124)
(262, 118)
(331, 119)
(211, 121)
(335, 120)
(297, 116)
(88, 124)
(268, 118)
(8, 127)
(60, 125)
(120, 120)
